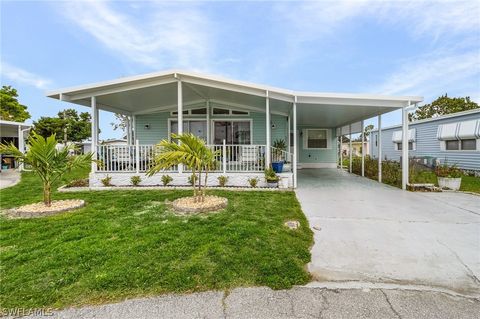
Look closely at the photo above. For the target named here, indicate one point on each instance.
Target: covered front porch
(246, 122)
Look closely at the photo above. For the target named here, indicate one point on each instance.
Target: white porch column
(405, 147)
(288, 133)
(134, 127)
(363, 148)
(94, 110)
(268, 131)
(379, 145)
(21, 145)
(180, 115)
(295, 174)
(129, 131)
(208, 122)
(350, 148)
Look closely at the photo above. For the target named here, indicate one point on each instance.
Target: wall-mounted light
(147, 126)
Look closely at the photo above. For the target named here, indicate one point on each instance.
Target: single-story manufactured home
(241, 119)
(452, 139)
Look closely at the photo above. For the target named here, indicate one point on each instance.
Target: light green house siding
(316, 155)
(158, 126)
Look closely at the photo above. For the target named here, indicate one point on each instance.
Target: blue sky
(396, 47)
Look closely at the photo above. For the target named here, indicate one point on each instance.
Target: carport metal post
(363, 148)
(268, 127)
(21, 146)
(295, 142)
(180, 115)
(405, 146)
(379, 145)
(94, 132)
(350, 148)
(341, 151)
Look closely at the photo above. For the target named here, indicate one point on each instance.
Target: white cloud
(171, 34)
(433, 73)
(313, 20)
(22, 76)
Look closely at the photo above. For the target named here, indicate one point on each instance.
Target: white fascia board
(4, 122)
(72, 96)
(103, 84)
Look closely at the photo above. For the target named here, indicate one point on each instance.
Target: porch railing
(231, 158)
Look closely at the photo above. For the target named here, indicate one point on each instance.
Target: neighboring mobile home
(16, 133)
(241, 119)
(453, 139)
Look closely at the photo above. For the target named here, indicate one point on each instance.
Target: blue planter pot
(277, 167)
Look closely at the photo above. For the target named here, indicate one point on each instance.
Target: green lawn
(125, 244)
(470, 184)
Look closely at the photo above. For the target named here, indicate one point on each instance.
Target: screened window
(452, 145)
(316, 138)
(469, 145)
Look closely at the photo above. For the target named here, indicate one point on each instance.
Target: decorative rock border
(38, 210)
(188, 204)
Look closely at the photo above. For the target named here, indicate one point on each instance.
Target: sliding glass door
(233, 132)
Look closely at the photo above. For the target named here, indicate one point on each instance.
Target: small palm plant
(45, 160)
(190, 151)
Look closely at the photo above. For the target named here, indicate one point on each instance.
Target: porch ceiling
(158, 91)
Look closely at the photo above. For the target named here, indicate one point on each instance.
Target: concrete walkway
(9, 178)
(300, 302)
(370, 232)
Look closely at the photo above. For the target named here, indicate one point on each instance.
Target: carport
(371, 232)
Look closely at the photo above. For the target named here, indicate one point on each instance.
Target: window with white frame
(226, 111)
(196, 127)
(400, 146)
(459, 136)
(316, 139)
(397, 138)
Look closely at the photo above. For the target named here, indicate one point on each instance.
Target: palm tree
(45, 160)
(190, 151)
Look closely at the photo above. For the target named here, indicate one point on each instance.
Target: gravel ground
(41, 210)
(299, 302)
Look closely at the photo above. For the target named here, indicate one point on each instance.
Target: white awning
(397, 136)
(459, 130)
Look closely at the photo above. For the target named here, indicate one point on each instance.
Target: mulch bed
(190, 205)
(41, 210)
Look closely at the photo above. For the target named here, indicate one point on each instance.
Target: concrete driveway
(367, 231)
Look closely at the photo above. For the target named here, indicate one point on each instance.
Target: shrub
(192, 179)
(135, 180)
(448, 171)
(106, 181)
(82, 182)
(222, 180)
(271, 176)
(166, 179)
(253, 182)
